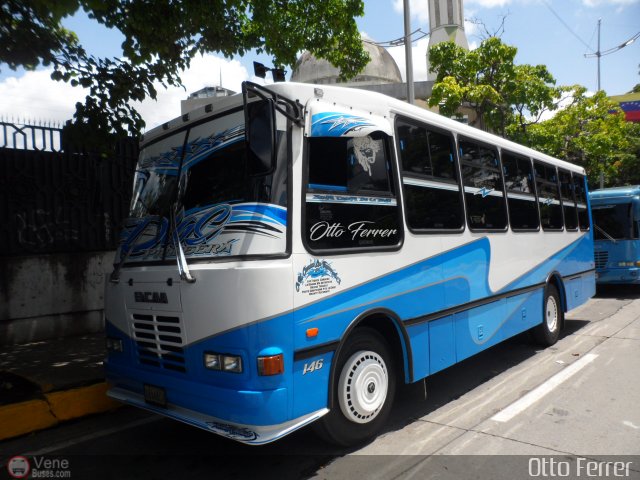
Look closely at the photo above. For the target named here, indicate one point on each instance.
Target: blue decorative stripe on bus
(332, 124)
(168, 163)
(201, 148)
(202, 225)
(426, 287)
(435, 284)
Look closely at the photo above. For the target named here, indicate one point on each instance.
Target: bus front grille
(159, 341)
(601, 259)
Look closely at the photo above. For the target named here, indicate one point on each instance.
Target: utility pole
(599, 53)
(411, 97)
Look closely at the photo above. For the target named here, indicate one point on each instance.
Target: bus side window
(581, 201)
(521, 194)
(548, 196)
(350, 197)
(429, 177)
(483, 188)
(568, 200)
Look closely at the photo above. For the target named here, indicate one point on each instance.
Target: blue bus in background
(616, 217)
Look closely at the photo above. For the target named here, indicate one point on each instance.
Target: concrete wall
(52, 296)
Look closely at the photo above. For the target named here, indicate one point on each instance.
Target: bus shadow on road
(619, 292)
(452, 383)
(573, 325)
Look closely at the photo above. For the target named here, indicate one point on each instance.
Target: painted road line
(537, 393)
(92, 436)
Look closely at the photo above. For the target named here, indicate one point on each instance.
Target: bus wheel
(547, 333)
(364, 388)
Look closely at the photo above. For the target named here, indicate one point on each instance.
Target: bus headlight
(226, 363)
(114, 344)
(212, 361)
(232, 363)
(627, 264)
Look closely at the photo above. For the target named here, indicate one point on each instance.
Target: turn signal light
(271, 365)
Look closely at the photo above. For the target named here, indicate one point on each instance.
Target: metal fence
(46, 137)
(60, 200)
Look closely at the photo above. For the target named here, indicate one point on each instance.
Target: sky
(557, 33)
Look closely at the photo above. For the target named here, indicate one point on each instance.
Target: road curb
(32, 415)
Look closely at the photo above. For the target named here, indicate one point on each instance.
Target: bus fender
(555, 279)
(384, 321)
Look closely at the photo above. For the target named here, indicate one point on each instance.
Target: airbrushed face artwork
(365, 150)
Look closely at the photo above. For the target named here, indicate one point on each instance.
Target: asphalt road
(513, 411)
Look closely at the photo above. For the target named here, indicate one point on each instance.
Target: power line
(599, 53)
(548, 5)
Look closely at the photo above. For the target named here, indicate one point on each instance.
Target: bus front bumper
(249, 434)
(618, 276)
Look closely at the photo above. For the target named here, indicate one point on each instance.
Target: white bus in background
(296, 252)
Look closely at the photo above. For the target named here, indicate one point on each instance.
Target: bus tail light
(271, 365)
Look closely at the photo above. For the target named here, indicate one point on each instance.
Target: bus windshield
(200, 176)
(613, 222)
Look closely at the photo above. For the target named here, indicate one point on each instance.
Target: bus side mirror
(260, 136)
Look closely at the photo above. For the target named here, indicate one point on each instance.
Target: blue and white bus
(616, 224)
(296, 252)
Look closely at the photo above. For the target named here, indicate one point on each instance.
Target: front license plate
(155, 396)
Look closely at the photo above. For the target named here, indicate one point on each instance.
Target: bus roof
(344, 99)
(622, 194)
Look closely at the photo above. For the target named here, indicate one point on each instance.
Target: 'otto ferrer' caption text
(546, 467)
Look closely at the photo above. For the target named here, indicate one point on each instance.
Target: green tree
(488, 81)
(591, 132)
(162, 37)
(636, 88)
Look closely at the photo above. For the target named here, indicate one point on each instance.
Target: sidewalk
(45, 383)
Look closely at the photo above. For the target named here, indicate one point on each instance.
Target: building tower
(446, 24)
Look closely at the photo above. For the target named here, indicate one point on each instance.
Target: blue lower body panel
(253, 417)
(618, 276)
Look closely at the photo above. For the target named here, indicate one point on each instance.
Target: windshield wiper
(115, 275)
(183, 267)
(605, 233)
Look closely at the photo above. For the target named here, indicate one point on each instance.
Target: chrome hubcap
(362, 387)
(552, 314)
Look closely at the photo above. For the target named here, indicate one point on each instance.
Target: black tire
(548, 332)
(358, 415)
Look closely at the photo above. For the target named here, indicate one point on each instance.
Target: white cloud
(597, 3)
(490, 3)
(470, 31)
(34, 96)
(419, 10)
(564, 102)
(419, 56)
(205, 71)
